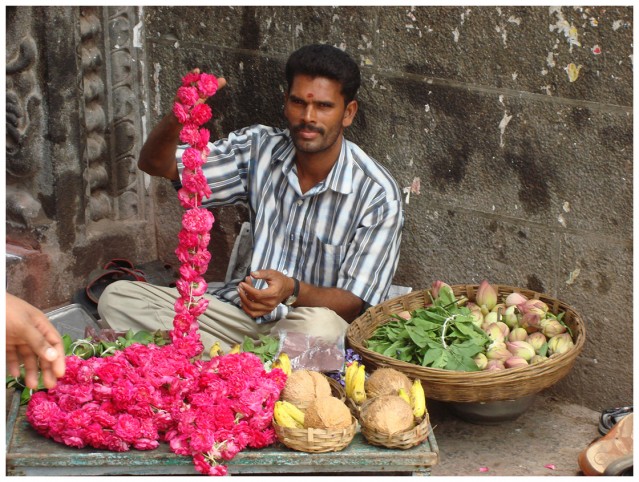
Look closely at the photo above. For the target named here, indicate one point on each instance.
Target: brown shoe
(602, 452)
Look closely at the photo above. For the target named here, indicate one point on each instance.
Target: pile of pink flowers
(146, 394)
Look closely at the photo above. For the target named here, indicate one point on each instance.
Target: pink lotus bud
(405, 314)
(510, 317)
(514, 299)
(504, 328)
(536, 340)
(517, 334)
(550, 327)
(498, 351)
(522, 349)
(515, 362)
(481, 361)
(530, 322)
(559, 344)
(494, 365)
(494, 332)
(538, 359)
(534, 306)
(486, 296)
(438, 285)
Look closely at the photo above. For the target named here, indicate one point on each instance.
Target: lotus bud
(515, 362)
(491, 317)
(494, 332)
(551, 327)
(504, 328)
(494, 365)
(559, 344)
(498, 351)
(517, 334)
(481, 361)
(538, 359)
(499, 306)
(509, 316)
(530, 322)
(476, 314)
(514, 299)
(404, 314)
(537, 341)
(437, 286)
(534, 306)
(522, 349)
(486, 296)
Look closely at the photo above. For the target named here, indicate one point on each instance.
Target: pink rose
(188, 96)
(201, 114)
(207, 85)
(180, 113)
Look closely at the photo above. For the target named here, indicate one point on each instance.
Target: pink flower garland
(144, 394)
(193, 239)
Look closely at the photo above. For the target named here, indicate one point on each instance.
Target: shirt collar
(340, 178)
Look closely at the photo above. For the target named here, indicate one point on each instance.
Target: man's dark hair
(321, 60)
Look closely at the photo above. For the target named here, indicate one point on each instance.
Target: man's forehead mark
(309, 95)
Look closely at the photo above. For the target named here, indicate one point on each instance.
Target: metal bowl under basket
(461, 387)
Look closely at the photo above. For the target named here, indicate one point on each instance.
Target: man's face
(316, 114)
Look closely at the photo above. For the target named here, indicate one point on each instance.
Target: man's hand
(256, 302)
(157, 156)
(31, 338)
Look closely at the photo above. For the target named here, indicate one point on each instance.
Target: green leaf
(390, 351)
(25, 396)
(143, 337)
(543, 350)
(418, 337)
(432, 356)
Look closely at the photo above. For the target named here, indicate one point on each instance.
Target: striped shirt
(345, 232)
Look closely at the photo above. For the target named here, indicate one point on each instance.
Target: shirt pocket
(331, 255)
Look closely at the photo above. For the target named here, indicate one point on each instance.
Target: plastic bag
(308, 352)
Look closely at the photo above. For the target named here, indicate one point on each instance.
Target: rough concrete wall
(513, 125)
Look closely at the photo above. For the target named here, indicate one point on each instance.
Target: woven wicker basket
(401, 440)
(316, 440)
(482, 386)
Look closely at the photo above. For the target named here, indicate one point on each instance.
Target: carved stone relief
(24, 128)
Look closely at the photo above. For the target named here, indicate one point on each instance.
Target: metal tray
(72, 320)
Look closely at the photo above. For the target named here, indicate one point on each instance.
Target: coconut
(327, 412)
(386, 381)
(304, 386)
(387, 414)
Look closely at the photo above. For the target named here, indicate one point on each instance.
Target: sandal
(611, 416)
(609, 450)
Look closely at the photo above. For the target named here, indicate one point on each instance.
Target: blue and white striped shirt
(345, 232)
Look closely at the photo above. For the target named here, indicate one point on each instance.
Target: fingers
(13, 362)
(30, 363)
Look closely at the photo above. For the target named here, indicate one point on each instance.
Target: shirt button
(292, 237)
(285, 272)
(300, 202)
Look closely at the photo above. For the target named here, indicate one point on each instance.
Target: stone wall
(510, 129)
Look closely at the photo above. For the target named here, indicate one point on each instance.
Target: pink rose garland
(145, 394)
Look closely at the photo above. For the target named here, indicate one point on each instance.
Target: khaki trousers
(135, 305)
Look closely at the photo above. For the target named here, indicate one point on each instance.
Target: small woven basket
(481, 386)
(337, 389)
(316, 440)
(400, 440)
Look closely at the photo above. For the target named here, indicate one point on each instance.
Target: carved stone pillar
(74, 195)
